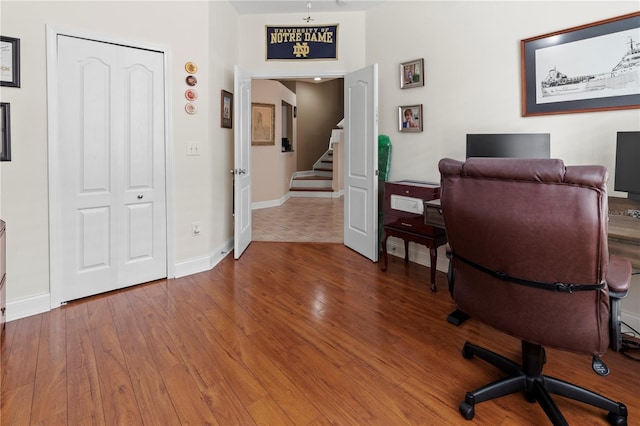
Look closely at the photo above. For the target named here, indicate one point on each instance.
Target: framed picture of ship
(412, 74)
(593, 67)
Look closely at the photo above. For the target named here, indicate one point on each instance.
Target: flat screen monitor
(627, 175)
(513, 145)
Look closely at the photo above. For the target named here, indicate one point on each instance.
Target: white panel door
(111, 161)
(242, 163)
(361, 161)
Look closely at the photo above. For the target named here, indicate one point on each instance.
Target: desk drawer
(412, 223)
(423, 192)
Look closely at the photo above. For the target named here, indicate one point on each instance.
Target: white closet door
(112, 176)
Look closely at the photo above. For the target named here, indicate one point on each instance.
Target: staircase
(317, 182)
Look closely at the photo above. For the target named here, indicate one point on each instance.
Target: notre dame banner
(302, 42)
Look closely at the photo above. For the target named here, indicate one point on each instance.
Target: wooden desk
(403, 218)
(624, 230)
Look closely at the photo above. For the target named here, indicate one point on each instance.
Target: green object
(384, 164)
(384, 157)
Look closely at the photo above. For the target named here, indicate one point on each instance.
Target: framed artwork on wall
(9, 61)
(226, 109)
(412, 74)
(410, 118)
(263, 119)
(5, 124)
(593, 67)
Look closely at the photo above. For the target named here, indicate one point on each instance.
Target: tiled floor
(300, 219)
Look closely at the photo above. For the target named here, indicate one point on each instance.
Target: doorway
(107, 158)
(360, 162)
(319, 108)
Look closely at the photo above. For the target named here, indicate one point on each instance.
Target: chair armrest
(618, 276)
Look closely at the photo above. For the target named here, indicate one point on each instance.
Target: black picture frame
(226, 109)
(9, 61)
(5, 125)
(580, 69)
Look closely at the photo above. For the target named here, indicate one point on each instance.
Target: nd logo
(301, 49)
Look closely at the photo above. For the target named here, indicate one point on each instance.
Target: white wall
(271, 168)
(199, 183)
(471, 51)
(223, 55)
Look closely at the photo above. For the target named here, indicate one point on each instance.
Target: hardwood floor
(291, 333)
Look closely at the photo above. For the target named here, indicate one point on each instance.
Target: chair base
(529, 379)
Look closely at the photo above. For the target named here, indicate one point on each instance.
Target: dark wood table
(404, 219)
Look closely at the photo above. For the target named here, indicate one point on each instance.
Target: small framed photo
(5, 124)
(410, 118)
(263, 120)
(226, 110)
(9, 61)
(412, 74)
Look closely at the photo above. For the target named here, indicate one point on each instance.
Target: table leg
(406, 251)
(433, 254)
(384, 251)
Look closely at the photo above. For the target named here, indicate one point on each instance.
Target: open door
(241, 162)
(361, 161)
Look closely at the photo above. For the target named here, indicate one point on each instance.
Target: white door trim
(55, 221)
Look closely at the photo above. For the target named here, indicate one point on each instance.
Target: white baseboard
(192, 266)
(315, 194)
(220, 253)
(22, 308)
(204, 263)
(270, 203)
(418, 254)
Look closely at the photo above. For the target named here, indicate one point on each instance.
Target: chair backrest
(537, 221)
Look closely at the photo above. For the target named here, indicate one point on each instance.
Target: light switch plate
(193, 148)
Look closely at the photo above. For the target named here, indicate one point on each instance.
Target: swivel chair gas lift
(529, 257)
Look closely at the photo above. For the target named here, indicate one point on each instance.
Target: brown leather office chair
(529, 256)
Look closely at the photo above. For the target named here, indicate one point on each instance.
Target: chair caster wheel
(616, 419)
(530, 397)
(467, 410)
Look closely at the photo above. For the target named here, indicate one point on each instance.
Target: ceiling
(258, 7)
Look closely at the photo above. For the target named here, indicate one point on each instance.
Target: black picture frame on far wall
(226, 109)
(5, 125)
(9, 61)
